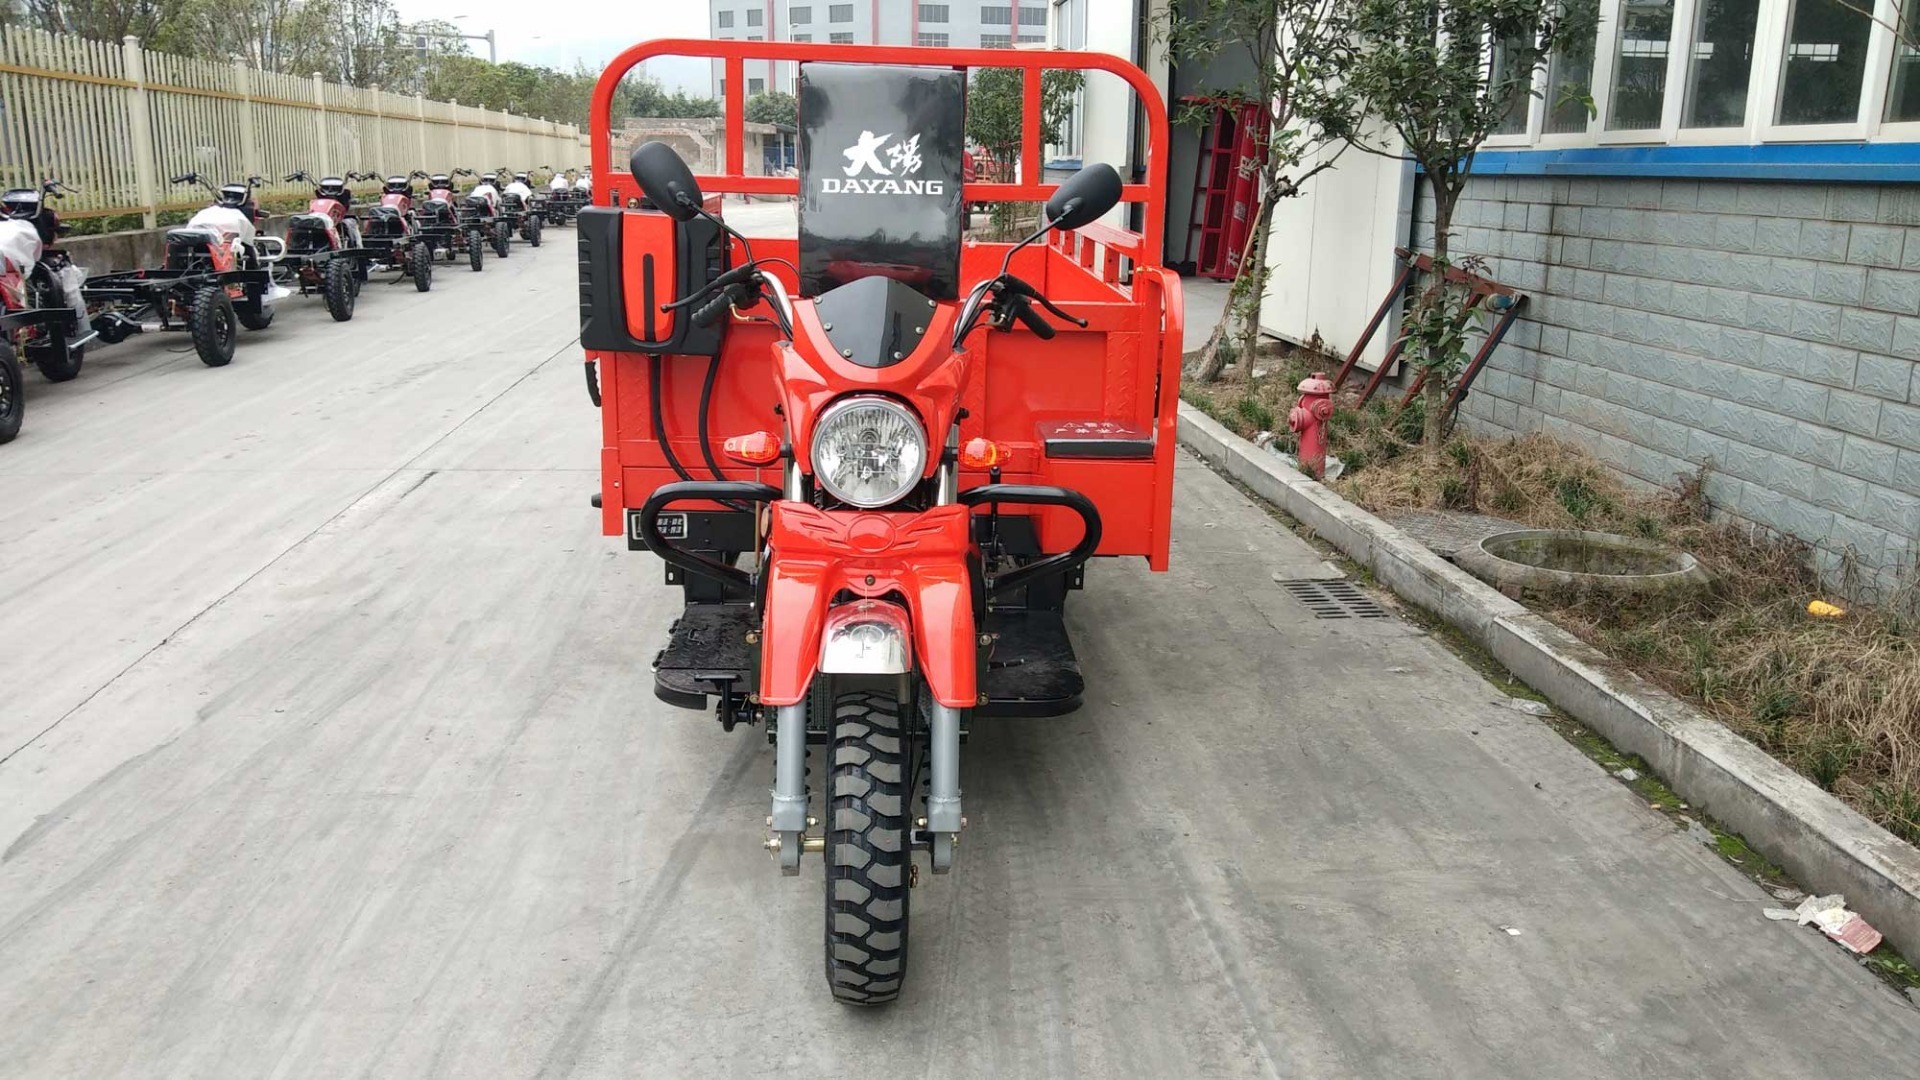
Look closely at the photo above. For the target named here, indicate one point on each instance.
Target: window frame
(831, 8)
(800, 16)
(1763, 90)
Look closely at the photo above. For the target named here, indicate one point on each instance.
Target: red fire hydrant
(1308, 420)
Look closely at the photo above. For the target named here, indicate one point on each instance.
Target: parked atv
(324, 253)
(217, 275)
(522, 209)
(393, 234)
(481, 210)
(443, 223)
(43, 313)
(559, 202)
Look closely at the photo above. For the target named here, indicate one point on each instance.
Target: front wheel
(212, 323)
(422, 269)
(255, 313)
(533, 225)
(869, 794)
(13, 400)
(476, 249)
(500, 240)
(341, 289)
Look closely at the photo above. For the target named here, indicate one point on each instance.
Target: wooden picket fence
(114, 122)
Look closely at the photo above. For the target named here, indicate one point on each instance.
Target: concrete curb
(1825, 844)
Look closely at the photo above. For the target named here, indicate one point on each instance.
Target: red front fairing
(329, 208)
(397, 200)
(918, 559)
(810, 374)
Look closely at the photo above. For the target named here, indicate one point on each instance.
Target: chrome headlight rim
(837, 410)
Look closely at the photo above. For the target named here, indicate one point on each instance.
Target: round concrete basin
(1542, 560)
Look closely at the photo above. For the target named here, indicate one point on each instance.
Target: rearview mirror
(1082, 199)
(668, 182)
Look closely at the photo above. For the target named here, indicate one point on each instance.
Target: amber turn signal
(983, 454)
(754, 448)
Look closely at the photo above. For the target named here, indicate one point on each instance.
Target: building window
(755, 37)
(754, 16)
(723, 19)
(800, 16)
(996, 16)
(996, 41)
(840, 13)
(1903, 97)
(1033, 15)
(933, 41)
(803, 37)
(1570, 87)
(756, 86)
(1721, 66)
(933, 13)
(1033, 39)
(1519, 91)
(840, 39)
(1826, 55)
(1640, 67)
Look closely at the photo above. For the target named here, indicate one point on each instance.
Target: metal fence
(115, 121)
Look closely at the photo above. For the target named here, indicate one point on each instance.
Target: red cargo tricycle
(876, 459)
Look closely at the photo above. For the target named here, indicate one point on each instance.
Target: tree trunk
(1213, 356)
(1255, 271)
(1434, 393)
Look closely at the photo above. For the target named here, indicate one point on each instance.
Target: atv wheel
(13, 401)
(501, 238)
(212, 323)
(476, 249)
(340, 289)
(534, 225)
(869, 789)
(55, 359)
(255, 313)
(422, 270)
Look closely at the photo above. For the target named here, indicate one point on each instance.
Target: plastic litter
(1830, 914)
(1627, 775)
(1531, 708)
(1820, 609)
(1512, 931)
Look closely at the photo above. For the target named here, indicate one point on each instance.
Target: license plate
(671, 526)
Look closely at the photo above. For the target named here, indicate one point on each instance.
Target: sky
(589, 33)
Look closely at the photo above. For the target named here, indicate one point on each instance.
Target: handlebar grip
(1033, 320)
(714, 309)
(183, 178)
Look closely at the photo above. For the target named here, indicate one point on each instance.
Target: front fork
(788, 820)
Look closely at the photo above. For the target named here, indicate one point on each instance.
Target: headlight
(868, 451)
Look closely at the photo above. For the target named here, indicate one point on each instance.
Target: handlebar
(300, 176)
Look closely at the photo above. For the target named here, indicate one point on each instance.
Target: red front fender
(919, 558)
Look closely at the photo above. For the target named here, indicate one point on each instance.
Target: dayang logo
(867, 174)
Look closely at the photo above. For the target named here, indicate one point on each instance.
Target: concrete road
(330, 752)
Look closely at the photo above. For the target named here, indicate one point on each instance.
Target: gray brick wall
(1768, 331)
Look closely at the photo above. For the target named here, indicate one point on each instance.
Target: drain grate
(1332, 598)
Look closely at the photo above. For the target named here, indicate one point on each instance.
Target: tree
(1291, 47)
(642, 95)
(1442, 77)
(774, 107)
(995, 113)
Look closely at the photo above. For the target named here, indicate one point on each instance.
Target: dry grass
(1838, 700)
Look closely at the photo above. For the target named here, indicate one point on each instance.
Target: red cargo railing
(614, 184)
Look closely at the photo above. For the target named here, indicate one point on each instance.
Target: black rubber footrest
(1032, 670)
(706, 652)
